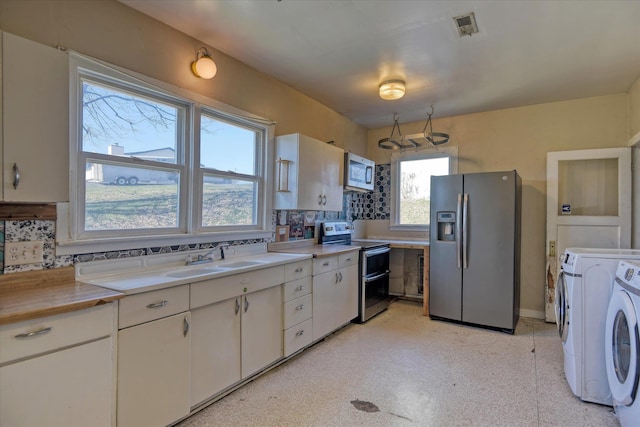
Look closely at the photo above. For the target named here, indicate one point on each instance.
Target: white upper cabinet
(309, 174)
(35, 122)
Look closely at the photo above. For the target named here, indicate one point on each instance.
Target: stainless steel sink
(240, 264)
(196, 272)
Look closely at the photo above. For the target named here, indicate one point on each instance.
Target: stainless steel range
(373, 290)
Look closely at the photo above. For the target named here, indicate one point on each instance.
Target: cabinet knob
(158, 304)
(34, 333)
(237, 309)
(320, 199)
(16, 176)
(324, 200)
(300, 307)
(299, 288)
(185, 327)
(299, 270)
(246, 304)
(300, 333)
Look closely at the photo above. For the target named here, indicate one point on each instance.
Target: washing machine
(583, 291)
(622, 343)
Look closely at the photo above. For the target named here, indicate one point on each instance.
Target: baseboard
(532, 314)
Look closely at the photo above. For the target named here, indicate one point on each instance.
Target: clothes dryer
(622, 343)
(583, 291)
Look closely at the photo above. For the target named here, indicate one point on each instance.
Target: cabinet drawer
(297, 310)
(297, 270)
(297, 337)
(296, 289)
(148, 306)
(349, 258)
(214, 290)
(324, 264)
(53, 332)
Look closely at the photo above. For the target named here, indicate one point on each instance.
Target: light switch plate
(19, 253)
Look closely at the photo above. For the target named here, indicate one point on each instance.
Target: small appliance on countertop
(373, 289)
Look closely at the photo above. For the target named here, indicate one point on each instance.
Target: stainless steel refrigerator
(474, 253)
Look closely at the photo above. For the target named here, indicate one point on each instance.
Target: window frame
(396, 181)
(71, 236)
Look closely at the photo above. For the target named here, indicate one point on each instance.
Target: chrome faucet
(201, 259)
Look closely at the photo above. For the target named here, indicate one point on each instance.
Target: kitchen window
(411, 185)
(153, 160)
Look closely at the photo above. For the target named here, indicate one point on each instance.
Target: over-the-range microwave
(358, 173)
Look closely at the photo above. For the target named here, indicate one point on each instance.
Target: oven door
(374, 286)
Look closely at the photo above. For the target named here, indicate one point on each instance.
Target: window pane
(130, 198)
(227, 147)
(123, 124)
(588, 187)
(415, 188)
(228, 202)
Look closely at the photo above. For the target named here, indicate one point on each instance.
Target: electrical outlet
(18, 253)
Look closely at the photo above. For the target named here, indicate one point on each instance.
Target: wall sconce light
(204, 66)
(392, 89)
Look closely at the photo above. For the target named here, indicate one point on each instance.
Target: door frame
(623, 219)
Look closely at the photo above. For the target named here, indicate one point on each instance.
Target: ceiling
(338, 51)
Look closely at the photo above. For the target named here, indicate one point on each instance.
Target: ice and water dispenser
(446, 226)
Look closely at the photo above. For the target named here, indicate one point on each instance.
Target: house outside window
(411, 185)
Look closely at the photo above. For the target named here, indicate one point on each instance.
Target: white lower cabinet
(153, 372)
(335, 292)
(233, 339)
(47, 386)
(298, 307)
(154, 358)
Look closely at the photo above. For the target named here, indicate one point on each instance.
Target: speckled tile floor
(417, 372)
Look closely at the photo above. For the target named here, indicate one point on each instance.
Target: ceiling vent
(466, 24)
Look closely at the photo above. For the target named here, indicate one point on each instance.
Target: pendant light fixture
(392, 89)
(203, 66)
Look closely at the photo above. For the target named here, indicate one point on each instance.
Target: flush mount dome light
(204, 66)
(392, 89)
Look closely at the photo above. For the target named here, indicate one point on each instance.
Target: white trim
(634, 140)
(450, 152)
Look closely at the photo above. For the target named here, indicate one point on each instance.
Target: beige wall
(519, 138)
(634, 129)
(113, 32)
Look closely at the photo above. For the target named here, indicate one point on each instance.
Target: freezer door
(445, 276)
(488, 289)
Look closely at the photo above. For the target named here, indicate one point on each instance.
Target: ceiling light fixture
(392, 89)
(204, 66)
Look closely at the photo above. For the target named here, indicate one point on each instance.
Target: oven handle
(374, 252)
(376, 277)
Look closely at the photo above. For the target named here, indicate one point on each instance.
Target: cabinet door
(261, 329)
(324, 303)
(35, 85)
(215, 348)
(312, 174)
(332, 177)
(71, 387)
(348, 294)
(153, 372)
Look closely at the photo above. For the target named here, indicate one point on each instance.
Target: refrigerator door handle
(459, 230)
(465, 231)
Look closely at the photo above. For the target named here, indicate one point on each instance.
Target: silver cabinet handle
(16, 176)
(299, 288)
(300, 333)
(237, 306)
(246, 304)
(299, 270)
(325, 264)
(320, 199)
(340, 273)
(300, 307)
(185, 327)
(337, 280)
(158, 304)
(324, 200)
(34, 333)
(349, 259)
